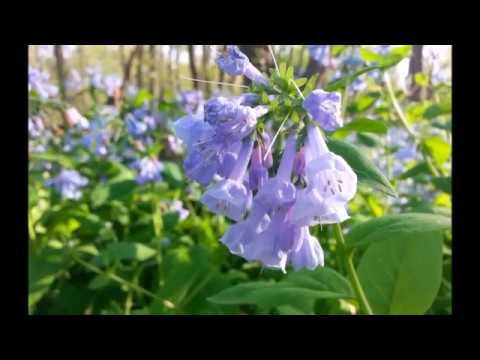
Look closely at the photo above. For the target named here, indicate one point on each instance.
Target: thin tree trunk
(221, 78)
(170, 67)
(193, 67)
(60, 64)
(415, 68)
(140, 67)
(152, 74)
(161, 77)
(127, 69)
(205, 61)
(177, 67)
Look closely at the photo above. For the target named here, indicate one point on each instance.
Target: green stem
(396, 106)
(116, 278)
(352, 273)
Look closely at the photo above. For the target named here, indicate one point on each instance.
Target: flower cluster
(68, 183)
(272, 213)
(320, 53)
(149, 170)
(191, 101)
(38, 81)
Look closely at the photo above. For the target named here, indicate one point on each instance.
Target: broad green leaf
(99, 281)
(142, 97)
(289, 73)
(344, 81)
(61, 159)
(418, 169)
(421, 79)
(301, 81)
(299, 290)
(282, 68)
(368, 55)
(402, 276)
(366, 171)
(390, 227)
(439, 149)
(362, 125)
(443, 183)
(437, 110)
(128, 251)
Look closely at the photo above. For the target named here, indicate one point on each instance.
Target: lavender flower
(324, 107)
(331, 184)
(74, 118)
(111, 84)
(39, 82)
(258, 175)
(149, 170)
(74, 82)
(308, 253)
(177, 206)
(320, 53)
(68, 183)
(230, 197)
(95, 77)
(190, 101)
(234, 63)
(135, 127)
(35, 126)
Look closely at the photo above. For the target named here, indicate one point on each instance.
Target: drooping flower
(135, 127)
(331, 184)
(258, 174)
(234, 63)
(324, 107)
(68, 183)
(39, 82)
(190, 101)
(177, 206)
(320, 53)
(74, 118)
(230, 197)
(149, 170)
(308, 253)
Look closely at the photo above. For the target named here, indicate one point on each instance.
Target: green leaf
(418, 169)
(301, 81)
(282, 68)
(289, 73)
(410, 225)
(368, 55)
(338, 49)
(173, 173)
(366, 171)
(99, 281)
(299, 289)
(443, 183)
(344, 81)
(437, 110)
(311, 83)
(421, 79)
(402, 276)
(439, 149)
(128, 251)
(362, 125)
(63, 160)
(142, 96)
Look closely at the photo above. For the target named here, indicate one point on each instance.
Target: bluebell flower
(230, 197)
(258, 174)
(331, 184)
(74, 82)
(135, 127)
(39, 82)
(95, 77)
(35, 126)
(324, 107)
(320, 53)
(111, 84)
(149, 170)
(177, 206)
(75, 119)
(234, 63)
(190, 101)
(68, 183)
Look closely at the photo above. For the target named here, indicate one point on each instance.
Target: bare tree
(193, 67)
(60, 65)
(152, 74)
(415, 67)
(140, 67)
(205, 61)
(127, 68)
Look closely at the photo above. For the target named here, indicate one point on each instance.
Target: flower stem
(352, 273)
(396, 106)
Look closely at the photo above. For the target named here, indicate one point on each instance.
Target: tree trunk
(60, 64)
(161, 77)
(152, 74)
(121, 51)
(193, 67)
(140, 67)
(127, 69)
(205, 61)
(221, 78)
(177, 67)
(259, 56)
(415, 68)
